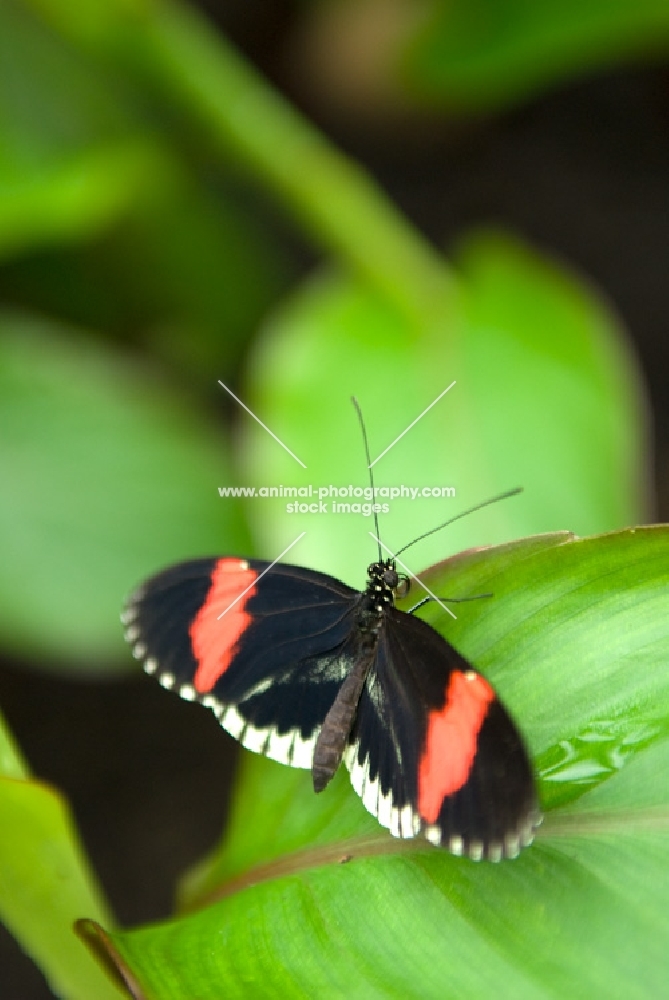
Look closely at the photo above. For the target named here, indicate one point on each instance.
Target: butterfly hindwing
(267, 655)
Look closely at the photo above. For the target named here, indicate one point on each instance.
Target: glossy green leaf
(575, 640)
(480, 54)
(45, 883)
(545, 397)
(107, 476)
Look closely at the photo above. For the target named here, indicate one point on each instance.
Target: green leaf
(107, 475)
(546, 397)
(482, 54)
(575, 640)
(45, 882)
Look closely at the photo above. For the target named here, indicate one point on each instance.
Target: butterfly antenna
(486, 503)
(369, 466)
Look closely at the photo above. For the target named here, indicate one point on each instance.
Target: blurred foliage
(107, 475)
(536, 356)
(483, 54)
(109, 220)
(144, 167)
(45, 881)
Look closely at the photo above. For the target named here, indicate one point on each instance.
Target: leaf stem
(331, 195)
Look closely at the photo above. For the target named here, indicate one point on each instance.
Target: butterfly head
(385, 583)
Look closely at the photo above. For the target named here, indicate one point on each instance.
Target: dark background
(584, 174)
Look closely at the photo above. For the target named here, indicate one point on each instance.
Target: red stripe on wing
(450, 744)
(214, 641)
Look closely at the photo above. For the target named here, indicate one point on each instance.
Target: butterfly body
(304, 669)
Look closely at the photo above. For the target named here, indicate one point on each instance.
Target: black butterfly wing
(433, 749)
(266, 649)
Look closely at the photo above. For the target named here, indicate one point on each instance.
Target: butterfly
(304, 669)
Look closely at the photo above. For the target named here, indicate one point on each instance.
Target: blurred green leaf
(184, 272)
(106, 217)
(107, 475)
(558, 395)
(546, 397)
(481, 54)
(200, 270)
(52, 98)
(45, 882)
(12, 764)
(576, 636)
(71, 161)
(75, 198)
